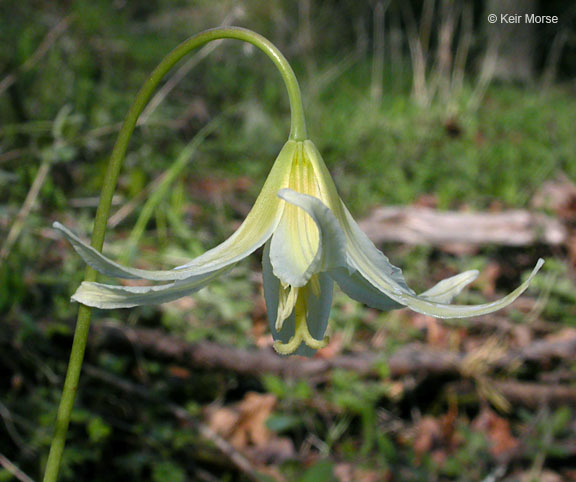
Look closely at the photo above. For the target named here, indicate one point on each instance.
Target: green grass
(65, 111)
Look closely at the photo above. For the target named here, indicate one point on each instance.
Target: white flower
(311, 241)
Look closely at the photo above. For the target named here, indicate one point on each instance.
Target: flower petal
(260, 222)
(365, 257)
(106, 266)
(287, 299)
(442, 310)
(287, 262)
(448, 288)
(357, 288)
(318, 312)
(362, 254)
(377, 270)
(272, 289)
(318, 307)
(254, 231)
(108, 297)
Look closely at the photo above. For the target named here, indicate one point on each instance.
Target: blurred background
(450, 138)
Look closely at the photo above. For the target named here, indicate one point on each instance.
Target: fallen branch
(412, 359)
(415, 225)
(532, 395)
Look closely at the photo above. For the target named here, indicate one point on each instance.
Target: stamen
(301, 333)
(288, 348)
(313, 342)
(286, 302)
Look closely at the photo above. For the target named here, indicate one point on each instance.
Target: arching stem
(297, 132)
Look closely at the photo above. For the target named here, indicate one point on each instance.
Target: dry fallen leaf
(437, 436)
(333, 348)
(541, 476)
(179, 372)
(426, 201)
(571, 245)
(559, 196)
(437, 335)
(243, 424)
(349, 473)
(428, 435)
(497, 430)
(487, 279)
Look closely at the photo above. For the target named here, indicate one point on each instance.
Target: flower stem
(297, 132)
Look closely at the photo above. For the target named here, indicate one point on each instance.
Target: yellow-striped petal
(109, 297)
(447, 289)
(293, 261)
(261, 221)
(254, 231)
(359, 289)
(375, 268)
(442, 310)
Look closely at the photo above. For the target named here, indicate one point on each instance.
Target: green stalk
(297, 132)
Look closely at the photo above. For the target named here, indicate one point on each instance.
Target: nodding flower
(310, 241)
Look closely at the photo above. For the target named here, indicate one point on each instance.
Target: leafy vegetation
(213, 138)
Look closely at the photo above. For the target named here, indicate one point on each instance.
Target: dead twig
(47, 42)
(13, 469)
(502, 324)
(553, 59)
(25, 209)
(8, 419)
(173, 81)
(231, 453)
(11, 155)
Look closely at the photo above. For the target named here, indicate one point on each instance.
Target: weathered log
(416, 225)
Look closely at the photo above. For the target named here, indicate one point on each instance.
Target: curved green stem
(297, 132)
